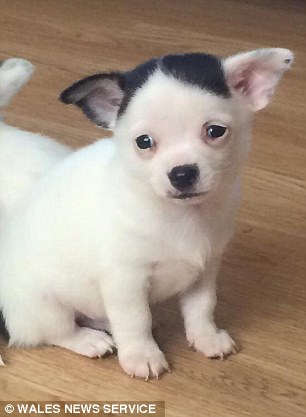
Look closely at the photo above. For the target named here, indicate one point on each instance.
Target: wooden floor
(262, 288)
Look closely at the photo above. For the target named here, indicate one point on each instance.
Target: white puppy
(24, 156)
(139, 218)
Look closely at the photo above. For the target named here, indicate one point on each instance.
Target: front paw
(143, 360)
(215, 344)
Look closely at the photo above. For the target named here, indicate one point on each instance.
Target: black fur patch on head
(104, 97)
(202, 70)
(133, 80)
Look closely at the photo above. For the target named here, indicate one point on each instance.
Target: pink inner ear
(254, 81)
(255, 74)
(104, 102)
(242, 82)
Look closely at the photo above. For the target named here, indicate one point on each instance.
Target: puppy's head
(183, 121)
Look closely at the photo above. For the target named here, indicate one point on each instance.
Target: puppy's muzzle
(184, 177)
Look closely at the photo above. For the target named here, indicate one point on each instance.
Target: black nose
(183, 176)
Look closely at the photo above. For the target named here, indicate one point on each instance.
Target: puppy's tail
(14, 74)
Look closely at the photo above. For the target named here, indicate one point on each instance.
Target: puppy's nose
(184, 176)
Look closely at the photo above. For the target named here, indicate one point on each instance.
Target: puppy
(24, 156)
(138, 218)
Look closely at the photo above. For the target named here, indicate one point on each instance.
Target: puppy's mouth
(188, 196)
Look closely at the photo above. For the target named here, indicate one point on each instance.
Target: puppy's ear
(255, 74)
(99, 96)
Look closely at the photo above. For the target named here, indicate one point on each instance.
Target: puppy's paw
(143, 361)
(1, 362)
(95, 346)
(88, 342)
(216, 345)
(18, 66)
(14, 73)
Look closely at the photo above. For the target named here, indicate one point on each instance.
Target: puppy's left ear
(255, 74)
(99, 96)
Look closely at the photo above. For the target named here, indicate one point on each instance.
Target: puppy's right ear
(99, 96)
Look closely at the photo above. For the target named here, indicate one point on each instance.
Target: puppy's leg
(50, 323)
(129, 313)
(88, 342)
(14, 73)
(198, 306)
(101, 324)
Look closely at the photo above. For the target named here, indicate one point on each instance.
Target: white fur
(101, 236)
(256, 74)
(14, 73)
(24, 156)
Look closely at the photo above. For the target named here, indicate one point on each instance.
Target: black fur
(135, 79)
(83, 86)
(3, 329)
(79, 93)
(202, 70)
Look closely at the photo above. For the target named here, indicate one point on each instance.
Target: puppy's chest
(179, 258)
(170, 278)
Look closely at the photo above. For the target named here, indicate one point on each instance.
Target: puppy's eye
(214, 134)
(145, 142)
(215, 131)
